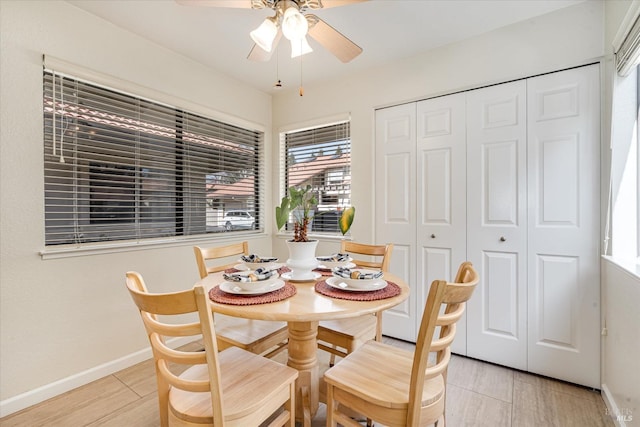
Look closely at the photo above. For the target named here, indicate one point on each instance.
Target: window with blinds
(119, 167)
(321, 157)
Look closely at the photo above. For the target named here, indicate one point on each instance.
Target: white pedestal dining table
(302, 312)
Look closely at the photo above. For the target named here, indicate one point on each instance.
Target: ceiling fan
(290, 21)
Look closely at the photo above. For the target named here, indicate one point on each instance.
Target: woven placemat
(218, 295)
(326, 272)
(391, 290)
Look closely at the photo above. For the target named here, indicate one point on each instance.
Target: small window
(321, 157)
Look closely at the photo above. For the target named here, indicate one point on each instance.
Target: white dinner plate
(338, 283)
(287, 276)
(241, 267)
(322, 266)
(233, 288)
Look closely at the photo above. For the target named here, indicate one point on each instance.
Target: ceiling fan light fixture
(264, 35)
(294, 24)
(300, 47)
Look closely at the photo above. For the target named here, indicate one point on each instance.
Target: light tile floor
(478, 394)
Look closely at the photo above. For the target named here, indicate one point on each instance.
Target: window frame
(339, 119)
(180, 238)
(622, 232)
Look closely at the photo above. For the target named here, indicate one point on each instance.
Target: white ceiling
(387, 30)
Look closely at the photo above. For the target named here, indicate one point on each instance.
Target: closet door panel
(563, 248)
(496, 223)
(397, 320)
(395, 208)
(499, 303)
(441, 196)
(397, 185)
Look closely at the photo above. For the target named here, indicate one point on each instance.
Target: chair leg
(378, 326)
(332, 359)
(444, 398)
(291, 405)
(163, 399)
(331, 422)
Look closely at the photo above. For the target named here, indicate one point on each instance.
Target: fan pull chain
(278, 84)
(301, 90)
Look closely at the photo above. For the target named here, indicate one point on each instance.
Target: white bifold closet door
(508, 178)
(441, 197)
(420, 177)
(533, 206)
(563, 225)
(395, 208)
(497, 223)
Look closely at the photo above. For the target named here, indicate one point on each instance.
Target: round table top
(307, 304)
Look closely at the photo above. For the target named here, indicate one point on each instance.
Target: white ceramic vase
(302, 259)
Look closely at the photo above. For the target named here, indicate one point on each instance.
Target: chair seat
(249, 384)
(342, 332)
(363, 372)
(252, 335)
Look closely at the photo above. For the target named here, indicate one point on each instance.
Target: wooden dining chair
(340, 337)
(233, 387)
(414, 390)
(267, 338)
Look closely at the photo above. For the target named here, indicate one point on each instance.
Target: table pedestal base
(302, 350)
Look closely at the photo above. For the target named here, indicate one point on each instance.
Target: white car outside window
(236, 219)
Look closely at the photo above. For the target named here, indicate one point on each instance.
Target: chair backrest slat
(378, 251)
(203, 255)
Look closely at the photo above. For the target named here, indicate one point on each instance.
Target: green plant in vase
(301, 201)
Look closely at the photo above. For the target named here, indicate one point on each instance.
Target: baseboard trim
(47, 391)
(612, 407)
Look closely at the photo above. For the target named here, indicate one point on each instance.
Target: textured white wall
(62, 317)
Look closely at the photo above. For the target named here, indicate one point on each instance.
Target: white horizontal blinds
(321, 157)
(226, 159)
(628, 55)
(118, 167)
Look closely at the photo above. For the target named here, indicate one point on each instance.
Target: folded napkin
(256, 258)
(334, 258)
(348, 273)
(256, 276)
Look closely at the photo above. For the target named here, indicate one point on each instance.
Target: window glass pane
(321, 157)
(119, 167)
(625, 161)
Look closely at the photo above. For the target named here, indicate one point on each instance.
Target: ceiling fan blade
(242, 4)
(260, 55)
(329, 3)
(332, 40)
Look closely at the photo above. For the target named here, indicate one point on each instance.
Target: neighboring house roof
(242, 187)
(298, 174)
(302, 172)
